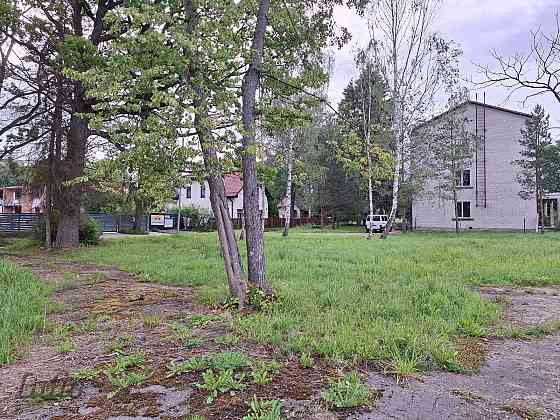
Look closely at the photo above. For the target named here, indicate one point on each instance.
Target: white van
(378, 222)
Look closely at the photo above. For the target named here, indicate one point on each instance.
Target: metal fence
(26, 222)
(114, 222)
(18, 222)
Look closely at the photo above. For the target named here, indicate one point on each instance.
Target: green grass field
(23, 299)
(400, 303)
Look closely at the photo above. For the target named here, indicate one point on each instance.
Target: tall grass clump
(23, 299)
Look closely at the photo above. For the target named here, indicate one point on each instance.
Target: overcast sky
(479, 26)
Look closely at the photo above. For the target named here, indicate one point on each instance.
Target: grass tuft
(347, 392)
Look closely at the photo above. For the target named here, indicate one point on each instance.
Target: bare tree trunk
(67, 235)
(253, 218)
(456, 212)
(397, 126)
(541, 210)
(370, 197)
(396, 185)
(288, 215)
(139, 210)
(218, 201)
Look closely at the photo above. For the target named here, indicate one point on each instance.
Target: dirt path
(106, 312)
(141, 318)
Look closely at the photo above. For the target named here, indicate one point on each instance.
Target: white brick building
(488, 198)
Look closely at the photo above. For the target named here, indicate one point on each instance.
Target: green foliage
(118, 345)
(534, 138)
(89, 231)
(86, 374)
(551, 168)
(261, 300)
(65, 330)
(182, 331)
(199, 219)
(193, 364)
(202, 320)
(23, 303)
(151, 321)
(347, 392)
(192, 343)
(124, 363)
(230, 360)
(65, 346)
(220, 383)
(262, 371)
(263, 410)
(306, 360)
(78, 54)
(13, 173)
(228, 340)
(125, 380)
(69, 282)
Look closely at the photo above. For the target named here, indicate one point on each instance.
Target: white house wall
(234, 204)
(504, 208)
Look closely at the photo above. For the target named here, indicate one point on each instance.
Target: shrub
(199, 219)
(89, 233)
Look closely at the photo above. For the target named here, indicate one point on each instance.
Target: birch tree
(414, 61)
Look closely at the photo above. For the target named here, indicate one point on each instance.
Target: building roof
(476, 103)
(233, 184)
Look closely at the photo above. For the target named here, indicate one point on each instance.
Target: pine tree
(535, 138)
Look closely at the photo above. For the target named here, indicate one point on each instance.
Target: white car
(378, 222)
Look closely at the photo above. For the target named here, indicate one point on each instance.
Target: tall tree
(364, 117)
(414, 61)
(253, 223)
(535, 138)
(61, 37)
(451, 148)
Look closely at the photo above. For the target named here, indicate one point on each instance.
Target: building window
(202, 191)
(464, 178)
(188, 192)
(18, 195)
(463, 209)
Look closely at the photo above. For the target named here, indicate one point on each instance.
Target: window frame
(202, 191)
(461, 207)
(188, 192)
